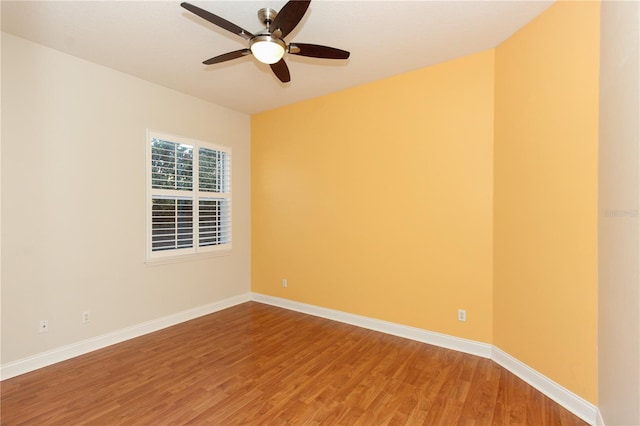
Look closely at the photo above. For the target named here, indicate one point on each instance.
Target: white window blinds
(189, 197)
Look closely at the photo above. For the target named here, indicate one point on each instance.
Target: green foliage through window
(171, 165)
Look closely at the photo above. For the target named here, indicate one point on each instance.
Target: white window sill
(186, 257)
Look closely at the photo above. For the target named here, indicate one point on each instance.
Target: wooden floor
(255, 364)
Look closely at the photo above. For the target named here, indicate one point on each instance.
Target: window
(189, 197)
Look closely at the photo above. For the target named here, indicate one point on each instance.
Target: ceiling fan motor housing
(266, 15)
(264, 46)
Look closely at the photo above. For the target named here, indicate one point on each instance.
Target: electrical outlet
(44, 326)
(86, 317)
(462, 315)
(284, 283)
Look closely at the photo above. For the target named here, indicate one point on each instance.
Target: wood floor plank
(255, 364)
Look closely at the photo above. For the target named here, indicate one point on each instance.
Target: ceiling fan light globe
(266, 49)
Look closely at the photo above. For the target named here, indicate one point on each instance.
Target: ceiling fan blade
(288, 17)
(227, 56)
(281, 70)
(317, 51)
(216, 20)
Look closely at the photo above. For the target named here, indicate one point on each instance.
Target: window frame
(194, 194)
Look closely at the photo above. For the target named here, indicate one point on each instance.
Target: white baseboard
(418, 334)
(73, 350)
(572, 402)
(578, 406)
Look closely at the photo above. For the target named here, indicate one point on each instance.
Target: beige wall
(73, 200)
(618, 229)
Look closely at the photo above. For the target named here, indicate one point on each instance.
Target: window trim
(196, 252)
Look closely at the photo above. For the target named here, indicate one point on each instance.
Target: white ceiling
(161, 42)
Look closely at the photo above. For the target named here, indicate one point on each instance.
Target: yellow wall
(545, 240)
(378, 200)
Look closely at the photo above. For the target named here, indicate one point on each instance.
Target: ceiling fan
(268, 45)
